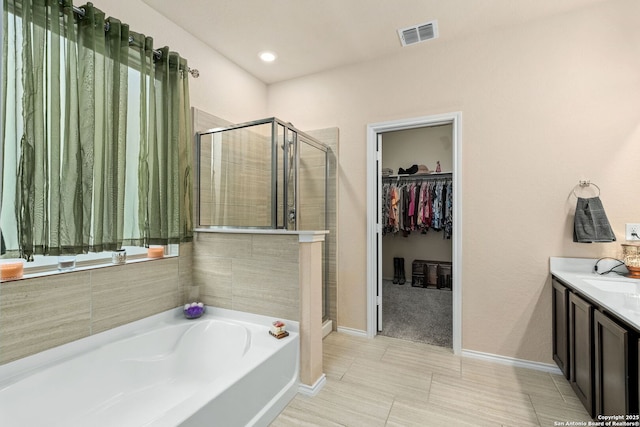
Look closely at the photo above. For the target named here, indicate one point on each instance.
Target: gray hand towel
(590, 223)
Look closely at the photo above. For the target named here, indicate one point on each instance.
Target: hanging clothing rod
(157, 54)
(416, 177)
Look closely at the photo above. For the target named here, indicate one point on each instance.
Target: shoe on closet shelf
(413, 169)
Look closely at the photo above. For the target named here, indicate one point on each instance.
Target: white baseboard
(312, 390)
(351, 331)
(327, 327)
(519, 363)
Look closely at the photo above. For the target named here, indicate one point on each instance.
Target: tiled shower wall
(44, 312)
(235, 178)
(311, 194)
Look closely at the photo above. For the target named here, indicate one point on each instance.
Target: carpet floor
(417, 314)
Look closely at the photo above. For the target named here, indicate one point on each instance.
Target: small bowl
(193, 311)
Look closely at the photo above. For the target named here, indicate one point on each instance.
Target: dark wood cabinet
(599, 349)
(581, 361)
(612, 369)
(560, 319)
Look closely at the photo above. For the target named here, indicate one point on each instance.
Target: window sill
(36, 272)
(48, 266)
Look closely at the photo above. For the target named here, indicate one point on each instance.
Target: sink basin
(627, 287)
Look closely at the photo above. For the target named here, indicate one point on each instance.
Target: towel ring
(587, 183)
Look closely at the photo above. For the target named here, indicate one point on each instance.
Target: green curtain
(170, 184)
(68, 144)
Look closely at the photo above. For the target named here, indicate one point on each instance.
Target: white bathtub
(223, 369)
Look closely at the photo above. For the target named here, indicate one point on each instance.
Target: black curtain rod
(157, 54)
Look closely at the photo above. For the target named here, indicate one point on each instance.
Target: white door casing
(374, 184)
(379, 231)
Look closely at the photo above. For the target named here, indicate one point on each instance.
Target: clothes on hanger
(417, 206)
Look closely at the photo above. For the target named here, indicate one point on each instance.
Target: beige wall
(223, 88)
(544, 105)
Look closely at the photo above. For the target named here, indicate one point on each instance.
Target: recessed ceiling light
(268, 56)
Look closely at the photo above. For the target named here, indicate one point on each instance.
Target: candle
(11, 269)
(155, 252)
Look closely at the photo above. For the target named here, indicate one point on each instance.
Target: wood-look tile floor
(390, 382)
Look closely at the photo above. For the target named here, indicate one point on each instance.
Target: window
(97, 139)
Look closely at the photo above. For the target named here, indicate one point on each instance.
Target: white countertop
(617, 294)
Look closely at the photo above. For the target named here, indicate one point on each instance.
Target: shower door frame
(275, 122)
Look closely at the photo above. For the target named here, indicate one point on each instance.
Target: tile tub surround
(43, 312)
(273, 273)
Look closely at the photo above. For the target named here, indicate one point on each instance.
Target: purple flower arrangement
(193, 310)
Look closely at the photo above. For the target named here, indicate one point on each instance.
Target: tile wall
(44, 312)
(248, 272)
(235, 177)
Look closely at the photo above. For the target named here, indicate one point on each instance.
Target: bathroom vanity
(596, 330)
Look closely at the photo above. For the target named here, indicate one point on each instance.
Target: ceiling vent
(418, 33)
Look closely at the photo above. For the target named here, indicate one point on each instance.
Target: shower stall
(264, 174)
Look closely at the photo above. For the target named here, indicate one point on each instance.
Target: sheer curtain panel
(97, 141)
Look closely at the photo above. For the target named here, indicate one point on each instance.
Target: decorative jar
(119, 256)
(631, 258)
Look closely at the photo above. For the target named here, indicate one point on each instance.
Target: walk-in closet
(417, 225)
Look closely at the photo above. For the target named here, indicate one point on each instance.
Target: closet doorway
(417, 222)
(414, 258)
